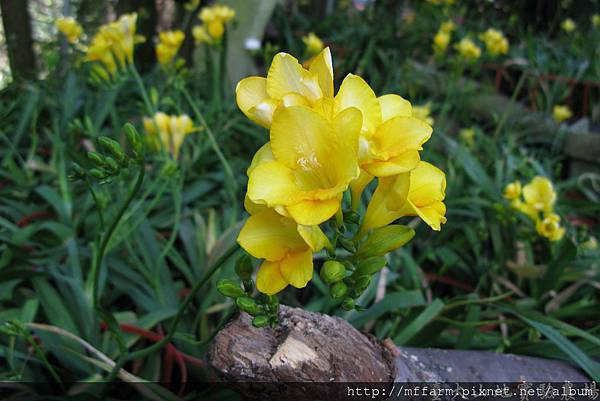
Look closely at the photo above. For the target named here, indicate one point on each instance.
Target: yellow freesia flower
(495, 42)
(447, 26)
(441, 40)
(308, 165)
(418, 193)
(550, 227)
(539, 194)
(467, 135)
(287, 84)
(512, 190)
(313, 44)
(525, 208)
(113, 45)
(561, 113)
(200, 34)
(168, 46)
(169, 130)
(286, 248)
(70, 28)
(595, 20)
(468, 49)
(423, 113)
(568, 25)
(213, 19)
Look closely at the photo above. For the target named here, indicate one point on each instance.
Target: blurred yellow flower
(540, 194)
(595, 20)
(286, 247)
(525, 208)
(312, 43)
(495, 42)
(170, 131)
(468, 49)
(550, 227)
(200, 34)
(568, 25)
(467, 135)
(113, 45)
(213, 19)
(561, 113)
(447, 26)
(168, 45)
(591, 244)
(512, 190)
(441, 40)
(438, 2)
(191, 5)
(420, 192)
(70, 28)
(423, 113)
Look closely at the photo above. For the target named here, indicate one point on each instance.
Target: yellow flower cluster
(213, 20)
(568, 25)
(322, 144)
(561, 113)
(538, 204)
(495, 41)
(168, 46)
(313, 44)
(70, 28)
(168, 131)
(467, 135)
(113, 45)
(442, 38)
(468, 49)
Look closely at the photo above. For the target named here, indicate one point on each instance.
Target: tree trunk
(310, 347)
(17, 30)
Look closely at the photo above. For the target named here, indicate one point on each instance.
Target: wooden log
(316, 348)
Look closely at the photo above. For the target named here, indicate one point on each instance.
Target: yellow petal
(402, 163)
(427, 185)
(387, 203)
(297, 268)
(433, 215)
(322, 66)
(394, 106)
(268, 235)
(262, 113)
(401, 134)
(272, 183)
(348, 124)
(355, 92)
(357, 187)
(262, 155)
(314, 237)
(313, 212)
(539, 193)
(253, 208)
(269, 279)
(250, 92)
(286, 75)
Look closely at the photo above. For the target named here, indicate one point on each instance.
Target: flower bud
(385, 239)
(112, 164)
(96, 158)
(260, 321)
(347, 244)
(370, 265)
(332, 271)
(248, 305)
(348, 304)
(243, 267)
(77, 172)
(134, 139)
(97, 173)
(338, 290)
(361, 283)
(112, 146)
(230, 288)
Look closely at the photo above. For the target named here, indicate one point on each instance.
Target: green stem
(97, 202)
(228, 171)
(106, 237)
(167, 338)
(142, 88)
(513, 99)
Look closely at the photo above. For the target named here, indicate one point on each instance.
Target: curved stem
(167, 338)
(106, 237)
(142, 88)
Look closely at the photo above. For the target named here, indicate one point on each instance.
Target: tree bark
(311, 347)
(17, 30)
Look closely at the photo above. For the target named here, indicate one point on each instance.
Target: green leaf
(419, 322)
(391, 302)
(565, 255)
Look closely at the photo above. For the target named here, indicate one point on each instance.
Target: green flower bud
(134, 139)
(97, 173)
(361, 283)
(332, 271)
(260, 321)
(338, 290)
(370, 265)
(112, 164)
(230, 288)
(347, 244)
(77, 173)
(243, 267)
(96, 158)
(348, 304)
(352, 217)
(112, 146)
(385, 239)
(248, 305)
